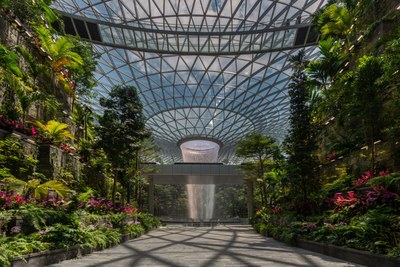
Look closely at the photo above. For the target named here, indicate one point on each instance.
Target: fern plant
(34, 188)
(55, 131)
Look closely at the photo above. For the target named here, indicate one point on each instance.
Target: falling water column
(200, 189)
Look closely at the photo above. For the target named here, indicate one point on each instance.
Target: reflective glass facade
(204, 68)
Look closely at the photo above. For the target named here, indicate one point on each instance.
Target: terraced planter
(45, 258)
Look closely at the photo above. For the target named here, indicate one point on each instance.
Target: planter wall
(29, 144)
(55, 256)
(11, 36)
(50, 160)
(349, 254)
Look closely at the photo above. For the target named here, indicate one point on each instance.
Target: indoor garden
(336, 179)
(64, 181)
(71, 176)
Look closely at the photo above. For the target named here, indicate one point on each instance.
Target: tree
(262, 150)
(60, 50)
(145, 152)
(83, 120)
(336, 20)
(325, 68)
(121, 127)
(300, 142)
(84, 76)
(35, 67)
(31, 12)
(28, 98)
(365, 101)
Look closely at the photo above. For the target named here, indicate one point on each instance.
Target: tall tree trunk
(264, 194)
(114, 189)
(128, 192)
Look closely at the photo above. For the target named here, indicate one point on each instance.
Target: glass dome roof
(214, 69)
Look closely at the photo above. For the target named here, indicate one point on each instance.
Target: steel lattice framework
(204, 68)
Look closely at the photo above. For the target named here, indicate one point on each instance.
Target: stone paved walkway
(231, 245)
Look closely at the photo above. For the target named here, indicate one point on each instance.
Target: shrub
(148, 221)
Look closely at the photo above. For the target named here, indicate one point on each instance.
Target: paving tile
(230, 245)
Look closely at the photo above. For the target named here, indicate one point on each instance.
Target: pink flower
(364, 178)
(384, 173)
(15, 229)
(310, 226)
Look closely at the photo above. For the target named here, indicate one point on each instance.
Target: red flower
(364, 178)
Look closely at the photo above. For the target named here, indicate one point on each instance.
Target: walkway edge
(44, 258)
(349, 254)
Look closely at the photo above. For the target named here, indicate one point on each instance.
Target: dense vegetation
(339, 183)
(61, 184)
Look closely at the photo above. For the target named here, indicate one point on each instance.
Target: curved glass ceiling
(204, 68)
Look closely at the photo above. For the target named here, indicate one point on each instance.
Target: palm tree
(28, 98)
(59, 50)
(50, 15)
(323, 70)
(55, 131)
(35, 67)
(9, 107)
(340, 21)
(83, 120)
(9, 61)
(35, 188)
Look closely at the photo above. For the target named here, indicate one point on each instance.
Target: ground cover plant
(365, 218)
(340, 182)
(31, 225)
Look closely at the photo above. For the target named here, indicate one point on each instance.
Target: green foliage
(84, 76)
(102, 237)
(61, 236)
(9, 107)
(27, 97)
(230, 201)
(29, 12)
(341, 183)
(134, 230)
(4, 4)
(36, 218)
(121, 127)
(83, 120)
(263, 154)
(35, 189)
(169, 199)
(390, 181)
(300, 141)
(9, 61)
(13, 158)
(325, 68)
(55, 131)
(148, 221)
(35, 67)
(61, 50)
(14, 247)
(336, 21)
